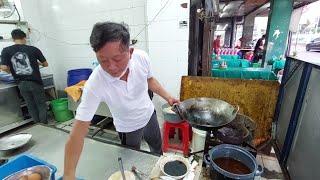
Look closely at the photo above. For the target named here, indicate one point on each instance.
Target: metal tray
(14, 141)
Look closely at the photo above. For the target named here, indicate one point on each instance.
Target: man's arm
(5, 68)
(85, 111)
(41, 59)
(156, 87)
(44, 64)
(261, 44)
(4, 63)
(261, 47)
(74, 148)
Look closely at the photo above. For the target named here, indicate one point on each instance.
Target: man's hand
(43, 64)
(172, 101)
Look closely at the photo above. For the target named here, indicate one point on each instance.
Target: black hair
(264, 36)
(18, 34)
(104, 32)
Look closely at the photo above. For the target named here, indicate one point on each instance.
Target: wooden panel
(256, 98)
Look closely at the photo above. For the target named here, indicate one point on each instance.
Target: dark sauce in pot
(175, 168)
(231, 165)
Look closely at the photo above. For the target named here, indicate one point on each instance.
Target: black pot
(236, 153)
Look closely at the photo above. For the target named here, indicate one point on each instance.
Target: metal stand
(102, 125)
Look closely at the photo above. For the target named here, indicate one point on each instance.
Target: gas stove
(212, 140)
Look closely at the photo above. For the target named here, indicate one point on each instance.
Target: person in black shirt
(23, 61)
(258, 49)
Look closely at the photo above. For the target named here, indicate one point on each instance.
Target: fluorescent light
(56, 7)
(5, 10)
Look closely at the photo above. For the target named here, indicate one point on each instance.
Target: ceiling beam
(256, 8)
(299, 5)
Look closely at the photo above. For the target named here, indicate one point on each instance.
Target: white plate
(14, 141)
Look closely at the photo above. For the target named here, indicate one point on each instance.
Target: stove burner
(228, 134)
(212, 140)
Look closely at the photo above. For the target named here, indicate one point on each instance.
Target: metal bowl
(14, 141)
(169, 115)
(44, 171)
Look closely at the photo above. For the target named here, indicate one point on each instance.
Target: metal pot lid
(207, 112)
(14, 141)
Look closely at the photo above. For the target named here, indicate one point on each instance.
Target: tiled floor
(271, 167)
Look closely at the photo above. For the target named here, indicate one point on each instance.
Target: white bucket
(198, 140)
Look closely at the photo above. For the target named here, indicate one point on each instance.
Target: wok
(206, 113)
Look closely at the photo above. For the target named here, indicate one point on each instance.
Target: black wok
(206, 113)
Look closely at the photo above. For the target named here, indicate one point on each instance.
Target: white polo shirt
(129, 102)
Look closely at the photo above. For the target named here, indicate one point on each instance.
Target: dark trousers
(150, 93)
(150, 133)
(257, 56)
(34, 95)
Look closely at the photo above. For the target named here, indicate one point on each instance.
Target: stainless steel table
(10, 110)
(98, 160)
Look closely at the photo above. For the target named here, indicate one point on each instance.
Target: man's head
(263, 36)
(219, 36)
(110, 41)
(18, 35)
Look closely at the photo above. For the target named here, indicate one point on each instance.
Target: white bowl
(170, 158)
(117, 176)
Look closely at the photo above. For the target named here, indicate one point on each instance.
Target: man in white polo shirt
(121, 81)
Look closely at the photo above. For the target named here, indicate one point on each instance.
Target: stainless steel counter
(6, 85)
(10, 110)
(98, 159)
(10, 103)
(46, 78)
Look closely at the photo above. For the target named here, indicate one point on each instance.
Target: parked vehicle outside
(313, 45)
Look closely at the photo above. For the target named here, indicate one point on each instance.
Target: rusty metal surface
(256, 98)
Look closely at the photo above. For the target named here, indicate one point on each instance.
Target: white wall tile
(71, 21)
(168, 44)
(163, 31)
(163, 51)
(138, 18)
(65, 27)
